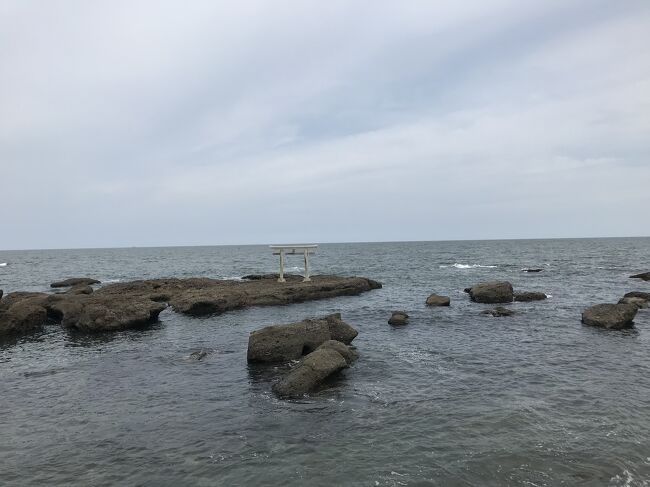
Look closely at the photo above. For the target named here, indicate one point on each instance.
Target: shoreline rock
(644, 276)
(492, 292)
(398, 318)
(283, 343)
(611, 316)
(132, 304)
(526, 297)
(75, 281)
(328, 359)
(437, 300)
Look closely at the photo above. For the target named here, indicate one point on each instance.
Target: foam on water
(468, 266)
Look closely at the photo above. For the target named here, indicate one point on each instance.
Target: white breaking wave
(468, 266)
(3, 264)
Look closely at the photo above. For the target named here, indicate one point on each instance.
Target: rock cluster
(324, 343)
(131, 304)
(283, 343)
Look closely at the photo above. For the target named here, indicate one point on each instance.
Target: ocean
(453, 398)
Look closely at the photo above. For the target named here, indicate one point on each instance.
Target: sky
(154, 123)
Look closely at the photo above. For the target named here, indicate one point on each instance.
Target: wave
(468, 266)
(3, 264)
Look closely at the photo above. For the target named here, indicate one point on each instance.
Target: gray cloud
(159, 123)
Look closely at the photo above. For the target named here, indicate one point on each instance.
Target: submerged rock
(398, 318)
(638, 302)
(532, 270)
(282, 343)
(530, 296)
(328, 359)
(613, 316)
(492, 292)
(498, 312)
(75, 281)
(198, 355)
(644, 275)
(437, 300)
(638, 294)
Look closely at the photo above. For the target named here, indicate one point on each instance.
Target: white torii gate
(283, 250)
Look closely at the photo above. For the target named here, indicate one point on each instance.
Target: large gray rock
(21, 317)
(282, 343)
(530, 296)
(311, 371)
(492, 292)
(75, 281)
(437, 300)
(638, 302)
(614, 316)
(644, 275)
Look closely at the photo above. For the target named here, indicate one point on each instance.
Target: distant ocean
(453, 398)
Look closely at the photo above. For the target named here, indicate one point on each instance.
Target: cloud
(158, 123)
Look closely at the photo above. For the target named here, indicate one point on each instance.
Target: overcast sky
(147, 123)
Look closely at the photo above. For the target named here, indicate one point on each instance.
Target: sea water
(453, 398)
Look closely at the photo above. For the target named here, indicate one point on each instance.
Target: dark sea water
(453, 398)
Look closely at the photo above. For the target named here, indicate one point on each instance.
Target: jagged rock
(21, 317)
(467, 290)
(644, 275)
(498, 311)
(398, 318)
(638, 302)
(436, 300)
(75, 281)
(638, 294)
(198, 355)
(529, 296)
(492, 292)
(282, 343)
(614, 316)
(311, 371)
(0, 293)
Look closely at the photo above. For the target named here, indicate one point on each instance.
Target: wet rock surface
(437, 300)
(492, 292)
(499, 311)
(283, 343)
(328, 359)
(613, 316)
(75, 281)
(398, 318)
(529, 296)
(133, 304)
(638, 302)
(644, 276)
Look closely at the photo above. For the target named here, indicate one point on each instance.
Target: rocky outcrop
(398, 318)
(529, 296)
(498, 312)
(638, 302)
(492, 292)
(644, 275)
(283, 343)
(75, 281)
(613, 316)
(21, 317)
(437, 300)
(132, 304)
(328, 359)
(638, 294)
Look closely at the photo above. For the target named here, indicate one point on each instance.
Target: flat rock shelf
(131, 304)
